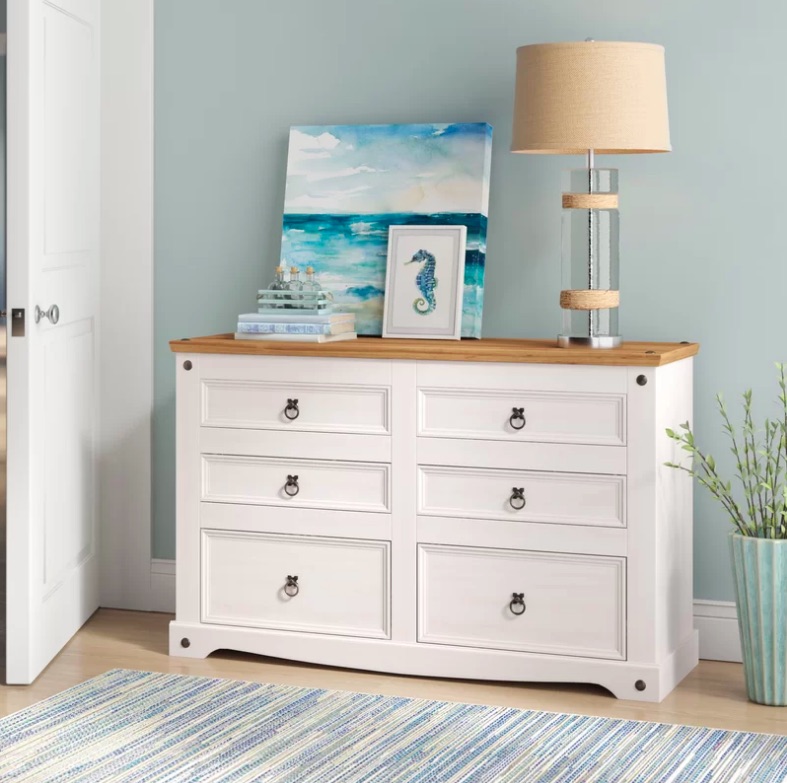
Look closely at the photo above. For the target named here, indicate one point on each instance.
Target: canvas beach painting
(347, 184)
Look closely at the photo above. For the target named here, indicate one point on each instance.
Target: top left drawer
(274, 393)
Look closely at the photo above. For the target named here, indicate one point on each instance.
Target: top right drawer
(525, 403)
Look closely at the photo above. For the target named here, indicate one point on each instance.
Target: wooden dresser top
(630, 354)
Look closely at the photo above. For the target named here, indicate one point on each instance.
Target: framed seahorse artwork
(424, 282)
(346, 184)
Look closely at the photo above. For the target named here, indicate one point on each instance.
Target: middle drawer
(275, 481)
(528, 496)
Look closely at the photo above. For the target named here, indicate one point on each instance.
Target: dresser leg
(184, 644)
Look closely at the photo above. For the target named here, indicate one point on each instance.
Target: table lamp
(590, 98)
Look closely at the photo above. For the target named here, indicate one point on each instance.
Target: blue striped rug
(160, 728)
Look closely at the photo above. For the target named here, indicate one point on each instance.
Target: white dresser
(495, 509)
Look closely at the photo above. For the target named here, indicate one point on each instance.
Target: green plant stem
(733, 507)
(749, 426)
(761, 461)
(724, 498)
(782, 447)
(743, 475)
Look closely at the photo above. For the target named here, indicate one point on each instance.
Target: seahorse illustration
(426, 282)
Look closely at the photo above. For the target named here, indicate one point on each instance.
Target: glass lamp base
(590, 290)
(603, 341)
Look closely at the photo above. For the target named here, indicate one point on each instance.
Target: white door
(53, 259)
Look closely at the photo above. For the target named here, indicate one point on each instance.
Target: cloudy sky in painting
(379, 169)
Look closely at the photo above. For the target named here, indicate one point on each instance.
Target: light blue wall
(703, 238)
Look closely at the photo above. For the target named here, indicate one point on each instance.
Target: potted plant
(757, 506)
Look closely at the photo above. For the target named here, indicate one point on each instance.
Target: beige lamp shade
(610, 97)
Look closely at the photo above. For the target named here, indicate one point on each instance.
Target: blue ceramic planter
(760, 567)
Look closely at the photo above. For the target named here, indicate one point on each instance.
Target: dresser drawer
(522, 415)
(527, 496)
(299, 406)
(342, 585)
(273, 481)
(573, 604)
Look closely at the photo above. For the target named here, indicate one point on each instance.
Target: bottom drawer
(342, 584)
(518, 600)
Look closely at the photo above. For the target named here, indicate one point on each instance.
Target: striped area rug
(160, 728)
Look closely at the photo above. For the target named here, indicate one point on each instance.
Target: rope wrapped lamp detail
(589, 299)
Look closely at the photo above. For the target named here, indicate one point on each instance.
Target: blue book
(300, 318)
(245, 327)
(303, 338)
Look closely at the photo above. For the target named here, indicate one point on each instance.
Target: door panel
(53, 258)
(69, 537)
(68, 219)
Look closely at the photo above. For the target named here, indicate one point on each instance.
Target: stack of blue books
(295, 311)
(317, 328)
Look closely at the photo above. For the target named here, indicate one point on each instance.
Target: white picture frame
(413, 307)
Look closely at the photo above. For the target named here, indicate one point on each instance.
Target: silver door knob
(53, 314)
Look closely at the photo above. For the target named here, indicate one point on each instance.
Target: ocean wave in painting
(348, 253)
(365, 292)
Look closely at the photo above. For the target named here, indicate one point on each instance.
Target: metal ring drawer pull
(517, 604)
(517, 500)
(292, 588)
(53, 314)
(291, 488)
(517, 414)
(291, 411)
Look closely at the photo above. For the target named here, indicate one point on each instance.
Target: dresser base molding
(432, 660)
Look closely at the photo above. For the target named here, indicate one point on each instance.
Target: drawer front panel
(553, 498)
(351, 486)
(547, 417)
(253, 404)
(573, 604)
(343, 585)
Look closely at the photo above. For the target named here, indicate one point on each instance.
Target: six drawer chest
(487, 509)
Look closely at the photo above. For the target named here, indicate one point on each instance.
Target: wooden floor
(712, 695)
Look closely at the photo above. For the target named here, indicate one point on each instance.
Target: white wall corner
(126, 295)
(162, 586)
(717, 623)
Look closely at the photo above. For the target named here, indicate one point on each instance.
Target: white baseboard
(162, 585)
(716, 621)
